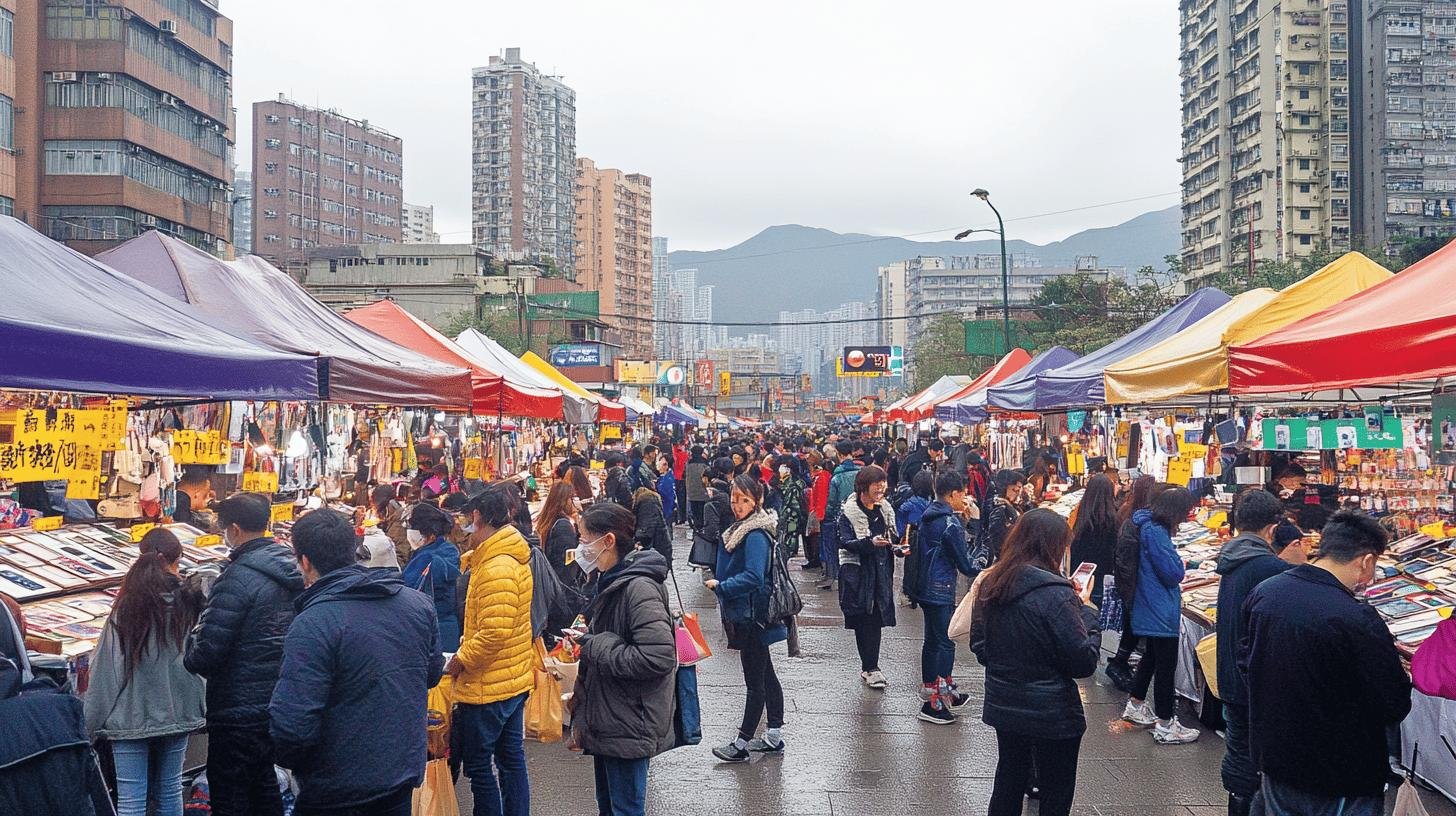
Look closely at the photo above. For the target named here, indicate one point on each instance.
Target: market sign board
(650, 372)
(1355, 433)
(871, 361)
(703, 371)
(576, 355)
(37, 444)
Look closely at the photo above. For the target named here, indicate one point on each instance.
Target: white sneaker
(1139, 715)
(1171, 732)
(874, 679)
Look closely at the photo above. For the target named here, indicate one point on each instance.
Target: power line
(568, 312)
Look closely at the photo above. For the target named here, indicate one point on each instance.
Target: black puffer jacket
(651, 524)
(1125, 559)
(999, 520)
(238, 642)
(1034, 645)
(626, 686)
(717, 515)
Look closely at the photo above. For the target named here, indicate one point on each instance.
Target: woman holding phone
(1036, 635)
(867, 569)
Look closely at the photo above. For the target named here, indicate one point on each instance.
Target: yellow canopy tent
(1195, 361)
(609, 411)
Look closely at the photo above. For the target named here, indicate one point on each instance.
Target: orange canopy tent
(491, 393)
(1014, 360)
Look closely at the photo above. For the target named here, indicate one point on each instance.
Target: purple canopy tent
(252, 298)
(1015, 394)
(69, 323)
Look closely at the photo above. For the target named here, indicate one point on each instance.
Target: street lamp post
(985, 196)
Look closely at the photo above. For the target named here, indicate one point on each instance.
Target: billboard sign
(575, 355)
(871, 361)
(650, 372)
(704, 373)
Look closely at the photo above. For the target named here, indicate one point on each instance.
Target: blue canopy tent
(972, 408)
(673, 415)
(70, 323)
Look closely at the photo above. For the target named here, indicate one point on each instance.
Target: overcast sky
(858, 115)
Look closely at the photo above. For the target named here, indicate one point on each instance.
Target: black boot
(1120, 674)
(1238, 805)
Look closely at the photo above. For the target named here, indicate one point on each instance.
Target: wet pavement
(853, 751)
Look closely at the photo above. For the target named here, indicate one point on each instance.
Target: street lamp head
(964, 233)
(980, 192)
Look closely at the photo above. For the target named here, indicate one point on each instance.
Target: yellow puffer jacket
(496, 643)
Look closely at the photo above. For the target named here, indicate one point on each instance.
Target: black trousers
(240, 776)
(696, 507)
(1128, 641)
(680, 510)
(1240, 774)
(1159, 663)
(811, 551)
(867, 642)
(1056, 765)
(764, 690)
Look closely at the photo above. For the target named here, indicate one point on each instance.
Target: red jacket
(819, 494)
(679, 463)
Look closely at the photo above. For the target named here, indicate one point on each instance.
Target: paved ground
(857, 752)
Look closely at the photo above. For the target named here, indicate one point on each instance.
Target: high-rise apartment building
(419, 224)
(523, 163)
(322, 179)
(1403, 82)
(7, 107)
(1266, 131)
(810, 340)
(116, 117)
(690, 306)
(891, 296)
(661, 284)
(614, 249)
(243, 211)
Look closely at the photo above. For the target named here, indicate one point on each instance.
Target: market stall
(608, 410)
(253, 299)
(1018, 393)
(922, 404)
(492, 393)
(577, 409)
(1196, 361)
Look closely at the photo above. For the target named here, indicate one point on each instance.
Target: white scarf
(760, 520)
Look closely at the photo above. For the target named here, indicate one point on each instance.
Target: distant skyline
(857, 117)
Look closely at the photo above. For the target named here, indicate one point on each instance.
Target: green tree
(499, 322)
(1084, 312)
(939, 350)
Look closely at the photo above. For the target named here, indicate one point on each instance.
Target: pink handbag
(1433, 667)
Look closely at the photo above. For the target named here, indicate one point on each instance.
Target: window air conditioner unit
(64, 76)
(168, 27)
(146, 220)
(103, 77)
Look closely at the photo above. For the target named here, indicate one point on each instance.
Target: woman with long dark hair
(581, 483)
(140, 696)
(1036, 637)
(741, 584)
(556, 528)
(1094, 536)
(1125, 575)
(1157, 610)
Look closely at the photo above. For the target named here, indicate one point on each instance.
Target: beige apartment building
(1266, 131)
(614, 250)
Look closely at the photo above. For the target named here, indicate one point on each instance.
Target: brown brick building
(322, 179)
(614, 249)
(116, 117)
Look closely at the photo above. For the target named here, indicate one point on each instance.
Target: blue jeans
(621, 786)
(491, 735)
(149, 766)
(829, 548)
(1285, 800)
(937, 652)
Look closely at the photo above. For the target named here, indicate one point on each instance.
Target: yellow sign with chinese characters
(281, 512)
(473, 467)
(47, 523)
(200, 447)
(258, 482)
(51, 443)
(1180, 471)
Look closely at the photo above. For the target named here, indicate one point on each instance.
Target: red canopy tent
(491, 393)
(1399, 331)
(1015, 360)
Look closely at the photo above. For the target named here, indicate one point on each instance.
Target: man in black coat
(1243, 563)
(1324, 678)
(238, 646)
(348, 713)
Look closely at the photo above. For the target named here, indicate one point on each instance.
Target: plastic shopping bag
(436, 797)
(692, 647)
(544, 712)
(960, 620)
(437, 717)
(1408, 801)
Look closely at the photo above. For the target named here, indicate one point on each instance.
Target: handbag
(544, 713)
(692, 647)
(783, 597)
(436, 797)
(960, 620)
(437, 717)
(687, 717)
(704, 553)
(1109, 615)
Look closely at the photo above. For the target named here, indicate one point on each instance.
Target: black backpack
(915, 563)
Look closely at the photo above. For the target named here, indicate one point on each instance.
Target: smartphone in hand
(1082, 577)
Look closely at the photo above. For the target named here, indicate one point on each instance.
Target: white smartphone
(1082, 577)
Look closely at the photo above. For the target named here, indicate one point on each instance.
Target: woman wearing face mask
(741, 585)
(867, 569)
(622, 706)
(434, 567)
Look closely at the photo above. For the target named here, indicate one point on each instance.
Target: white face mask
(468, 529)
(587, 556)
(416, 538)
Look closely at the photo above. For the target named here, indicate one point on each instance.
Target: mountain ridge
(782, 267)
